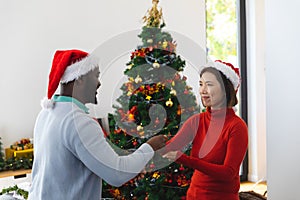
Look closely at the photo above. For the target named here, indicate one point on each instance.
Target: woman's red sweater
(219, 143)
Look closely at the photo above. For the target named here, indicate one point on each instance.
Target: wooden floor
(260, 188)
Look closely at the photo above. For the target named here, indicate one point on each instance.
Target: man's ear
(79, 80)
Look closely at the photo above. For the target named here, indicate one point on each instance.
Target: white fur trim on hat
(227, 71)
(80, 68)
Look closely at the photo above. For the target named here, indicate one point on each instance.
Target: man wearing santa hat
(71, 154)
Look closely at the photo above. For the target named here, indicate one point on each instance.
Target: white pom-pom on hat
(47, 103)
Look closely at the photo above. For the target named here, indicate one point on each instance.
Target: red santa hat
(68, 65)
(228, 70)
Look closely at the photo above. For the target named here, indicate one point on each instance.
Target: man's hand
(157, 142)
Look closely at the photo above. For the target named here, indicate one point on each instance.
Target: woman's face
(211, 92)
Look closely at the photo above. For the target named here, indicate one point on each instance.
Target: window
(226, 40)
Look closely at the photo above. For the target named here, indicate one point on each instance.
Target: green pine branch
(16, 189)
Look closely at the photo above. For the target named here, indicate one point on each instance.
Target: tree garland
(16, 164)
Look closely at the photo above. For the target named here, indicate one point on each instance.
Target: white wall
(32, 30)
(256, 90)
(282, 92)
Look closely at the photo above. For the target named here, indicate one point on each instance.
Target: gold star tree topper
(153, 18)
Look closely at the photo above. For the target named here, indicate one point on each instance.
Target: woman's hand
(171, 155)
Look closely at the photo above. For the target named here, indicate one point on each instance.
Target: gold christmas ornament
(142, 134)
(188, 87)
(156, 175)
(173, 92)
(169, 103)
(156, 65)
(150, 41)
(138, 79)
(139, 128)
(173, 83)
(131, 79)
(131, 117)
(129, 66)
(165, 44)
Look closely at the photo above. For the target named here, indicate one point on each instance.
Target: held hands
(157, 142)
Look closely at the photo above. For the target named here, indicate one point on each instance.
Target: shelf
(14, 173)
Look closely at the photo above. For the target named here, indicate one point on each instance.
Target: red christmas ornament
(157, 120)
(120, 111)
(117, 131)
(152, 165)
(177, 77)
(133, 110)
(134, 143)
(179, 110)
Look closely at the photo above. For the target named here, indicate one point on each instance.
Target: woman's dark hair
(226, 84)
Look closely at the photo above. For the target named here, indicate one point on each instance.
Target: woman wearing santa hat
(71, 154)
(219, 137)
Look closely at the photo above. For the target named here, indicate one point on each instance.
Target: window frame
(242, 41)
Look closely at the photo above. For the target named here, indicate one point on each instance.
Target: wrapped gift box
(11, 153)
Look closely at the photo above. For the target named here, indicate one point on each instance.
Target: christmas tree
(156, 100)
(1, 154)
